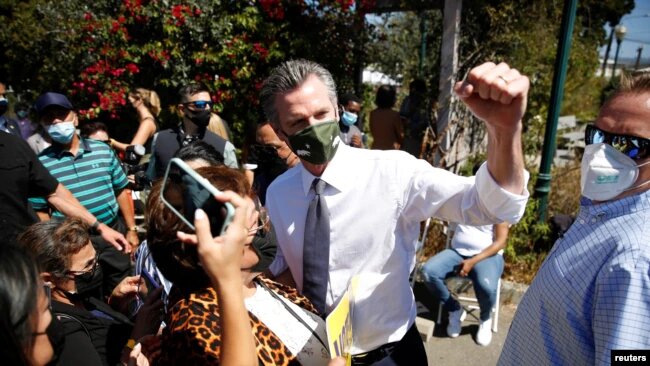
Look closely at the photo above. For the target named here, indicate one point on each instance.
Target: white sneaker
(455, 320)
(484, 334)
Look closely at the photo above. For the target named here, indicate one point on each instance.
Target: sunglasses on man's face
(632, 146)
(199, 104)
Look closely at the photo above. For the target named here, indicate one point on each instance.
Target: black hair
(200, 150)
(386, 96)
(186, 91)
(19, 286)
(88, 128)
(347, 98)
(418, 85)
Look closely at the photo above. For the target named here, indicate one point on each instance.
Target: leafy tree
(97, 51)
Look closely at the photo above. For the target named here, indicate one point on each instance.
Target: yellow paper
(339, 325)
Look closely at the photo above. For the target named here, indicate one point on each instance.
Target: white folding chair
(462, 285)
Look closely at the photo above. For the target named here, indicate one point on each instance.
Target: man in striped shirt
(88, 168)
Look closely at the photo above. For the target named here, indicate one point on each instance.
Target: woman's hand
(125, 291)
(466, 267)
(137, 358)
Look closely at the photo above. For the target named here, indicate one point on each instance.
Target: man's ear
(181, 110)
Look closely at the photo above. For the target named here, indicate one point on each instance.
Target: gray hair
(288, 76)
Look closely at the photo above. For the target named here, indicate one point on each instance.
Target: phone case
(230, 210)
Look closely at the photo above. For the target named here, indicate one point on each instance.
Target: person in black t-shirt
(22, 176)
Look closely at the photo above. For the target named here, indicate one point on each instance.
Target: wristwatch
(133, 228)
(95, 226)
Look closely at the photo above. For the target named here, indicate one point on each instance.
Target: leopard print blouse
(193, 332)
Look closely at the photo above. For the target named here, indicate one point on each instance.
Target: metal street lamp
(619, 32)
(609, 47)
(638, 57)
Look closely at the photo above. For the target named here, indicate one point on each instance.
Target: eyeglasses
(88, 270)
(199, 104)
(632, 146)
(262, 221)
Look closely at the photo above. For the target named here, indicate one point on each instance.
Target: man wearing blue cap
(90, 170)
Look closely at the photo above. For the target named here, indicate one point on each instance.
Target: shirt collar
(626, 205)
(84, 146)
(337, 173)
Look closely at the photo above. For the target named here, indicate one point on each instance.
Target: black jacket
(95, 335)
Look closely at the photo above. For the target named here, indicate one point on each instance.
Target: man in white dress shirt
(377, 199)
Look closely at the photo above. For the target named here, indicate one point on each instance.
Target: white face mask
(607, 172)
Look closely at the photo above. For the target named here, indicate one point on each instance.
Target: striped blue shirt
(93, 176)
(146, 266)
(592, 294)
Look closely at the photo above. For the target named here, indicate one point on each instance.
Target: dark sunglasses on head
(199, 104)
(632, 146)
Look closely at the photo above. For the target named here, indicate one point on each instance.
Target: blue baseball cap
(52, 99)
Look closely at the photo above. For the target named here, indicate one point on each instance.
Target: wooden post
(448, 70)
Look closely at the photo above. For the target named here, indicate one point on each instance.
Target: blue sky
(638, 33)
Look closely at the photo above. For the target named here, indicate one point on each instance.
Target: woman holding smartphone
(286, 327)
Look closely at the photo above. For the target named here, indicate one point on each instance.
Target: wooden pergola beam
(388, 6)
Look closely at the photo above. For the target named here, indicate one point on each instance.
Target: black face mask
(200, 118)
(267, 156)
(265, 245)
(88, 285)
(89, 282)
(56, 335)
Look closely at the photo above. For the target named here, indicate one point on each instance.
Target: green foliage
(528, 231)
(395, 45)
(520, 254)
(97, 51)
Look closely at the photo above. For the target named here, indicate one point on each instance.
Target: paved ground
(442, 350)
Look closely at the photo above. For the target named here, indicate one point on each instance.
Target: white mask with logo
(607, 172)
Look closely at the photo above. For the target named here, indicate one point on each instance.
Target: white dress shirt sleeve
(469, 200)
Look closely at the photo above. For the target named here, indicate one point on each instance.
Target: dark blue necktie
(316, 248)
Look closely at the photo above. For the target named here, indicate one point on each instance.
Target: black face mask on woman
(88, 284)
(265, 246)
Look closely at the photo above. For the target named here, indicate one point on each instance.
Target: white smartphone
(184, 190)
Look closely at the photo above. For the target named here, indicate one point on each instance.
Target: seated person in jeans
(475, 252)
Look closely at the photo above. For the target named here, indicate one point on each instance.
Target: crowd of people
(82, 283)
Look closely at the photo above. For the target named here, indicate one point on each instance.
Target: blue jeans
(485, 276)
